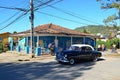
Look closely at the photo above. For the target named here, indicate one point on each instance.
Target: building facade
(49, 33)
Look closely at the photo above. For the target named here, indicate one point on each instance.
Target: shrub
(108, 43)
(1, 47)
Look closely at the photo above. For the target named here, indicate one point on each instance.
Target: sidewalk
(109, 51)
(14, 56)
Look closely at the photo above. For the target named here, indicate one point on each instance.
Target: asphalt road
(105, 69)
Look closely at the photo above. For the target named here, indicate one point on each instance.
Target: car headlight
(65, 55)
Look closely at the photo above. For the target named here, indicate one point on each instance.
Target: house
(48, 33)
(4, 37)
(118, 34)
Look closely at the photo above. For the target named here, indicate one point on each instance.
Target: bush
(1, 47)
(108, 43)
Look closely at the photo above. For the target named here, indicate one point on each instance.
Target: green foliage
(108, 43)
(91, 29)
(1, 47)
(109, 19)
(110, 4)
(94, 29)
(85, 31)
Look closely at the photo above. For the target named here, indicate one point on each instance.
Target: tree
(14, 32)
(110, 4)
(85, 31)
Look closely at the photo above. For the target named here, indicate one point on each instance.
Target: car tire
(95, 59)
(59, 62)
(72, 61)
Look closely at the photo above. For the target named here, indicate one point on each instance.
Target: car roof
(80, 45)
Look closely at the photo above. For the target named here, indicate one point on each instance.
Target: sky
(67, 13)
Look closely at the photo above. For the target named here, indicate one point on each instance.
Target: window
(76, 48)
(86, 48)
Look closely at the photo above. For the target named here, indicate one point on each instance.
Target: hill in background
(94, 29)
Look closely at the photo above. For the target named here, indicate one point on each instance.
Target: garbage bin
(18, 48)
(27, 50)
(38, 51)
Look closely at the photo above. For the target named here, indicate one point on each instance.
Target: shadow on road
(101, 59)
(42, 71)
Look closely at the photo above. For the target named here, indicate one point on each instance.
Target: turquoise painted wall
(22, 43)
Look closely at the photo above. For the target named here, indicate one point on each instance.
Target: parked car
(78, 52)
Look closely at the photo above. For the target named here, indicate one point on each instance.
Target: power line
(36, 8)
(50, 4)
(3, 22)
(43, 3)
(71, 14)
(21, 9)
(13, 21)
(25, 11)
(62, 18)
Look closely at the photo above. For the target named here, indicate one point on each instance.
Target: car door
(82, 54)
(76, 50)
(88, 52)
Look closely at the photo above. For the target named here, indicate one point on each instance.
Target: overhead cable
(61, 18)
(71, 14)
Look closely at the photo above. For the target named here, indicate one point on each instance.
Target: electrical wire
(38, 6)
(61, 18)
(21, 9)
(16, 19)
(5, 21)
(50, 4)
(71, 14)
(43, 3)
(25, 11)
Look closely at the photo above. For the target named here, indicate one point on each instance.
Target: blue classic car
(78, 52)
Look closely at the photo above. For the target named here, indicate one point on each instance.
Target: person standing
(51, 47)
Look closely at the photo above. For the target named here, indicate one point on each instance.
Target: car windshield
(76, 48)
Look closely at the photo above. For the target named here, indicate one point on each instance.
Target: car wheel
(72, 61)
(59, 62)
(95, 59)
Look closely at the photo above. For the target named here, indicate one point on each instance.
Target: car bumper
(62, 60)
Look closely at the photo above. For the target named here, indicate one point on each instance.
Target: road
(105, 69)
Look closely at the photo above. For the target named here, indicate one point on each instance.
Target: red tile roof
(54, 29)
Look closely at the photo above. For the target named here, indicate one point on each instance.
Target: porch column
(27, 46)
(56, 44)
(11, 43)
(71, 40)
(37, 41)
(18, 46)
(83, 40)
(38, 49)
(27, 41)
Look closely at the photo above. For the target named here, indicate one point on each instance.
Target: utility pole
(32, 26)
(119, 24)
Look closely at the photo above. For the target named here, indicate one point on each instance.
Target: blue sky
(87, 11)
